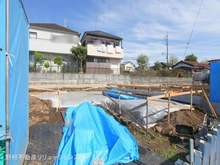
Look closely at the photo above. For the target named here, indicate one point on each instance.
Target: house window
(33, 35)
(98, 60)
(31, 57)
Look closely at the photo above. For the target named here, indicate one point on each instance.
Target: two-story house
(52, 40)
(104, 52)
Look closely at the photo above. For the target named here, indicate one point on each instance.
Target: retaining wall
(55, 78)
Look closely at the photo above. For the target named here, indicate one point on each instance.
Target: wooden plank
(43, 89)
(173, 94)
(210, 105)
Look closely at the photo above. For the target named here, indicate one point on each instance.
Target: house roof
(215, 60)
(99, 33)
(126, 62)
(53, 26)
(194, 64)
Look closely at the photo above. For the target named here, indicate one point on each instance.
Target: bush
(47, 64)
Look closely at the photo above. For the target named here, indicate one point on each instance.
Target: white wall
(104, 51)
(52, 42)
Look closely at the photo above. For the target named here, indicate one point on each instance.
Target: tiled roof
(99, 33)
(195, 64)
(53, 26)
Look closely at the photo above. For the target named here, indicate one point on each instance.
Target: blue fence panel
(18, 80)
(214, 82)
(2, 70)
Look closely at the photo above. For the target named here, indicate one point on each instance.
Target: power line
(193, 29)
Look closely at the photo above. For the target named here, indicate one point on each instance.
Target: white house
(52, 40)
(128, 66)
(104, 52)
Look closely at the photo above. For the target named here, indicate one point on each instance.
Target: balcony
(105, 51)
(50, 47)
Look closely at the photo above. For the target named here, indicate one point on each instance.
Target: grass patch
(171, 153)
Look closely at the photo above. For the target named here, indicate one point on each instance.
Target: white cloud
(143, 24)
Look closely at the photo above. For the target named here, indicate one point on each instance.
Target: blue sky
(142, 24)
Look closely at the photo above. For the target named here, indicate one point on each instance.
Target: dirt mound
(41, 111)
(184, 117)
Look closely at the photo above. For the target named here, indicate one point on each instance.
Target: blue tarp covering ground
(18, 43)
(91, 136)
(114, 93)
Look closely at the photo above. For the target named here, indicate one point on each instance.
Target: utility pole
(166, 43)
(64, 22)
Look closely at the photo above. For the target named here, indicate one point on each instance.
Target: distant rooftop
(215, 60)
(99, 33)
(53, 26)
(195, 64)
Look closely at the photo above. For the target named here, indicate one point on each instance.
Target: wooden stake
(191, 99)
(119, 103)
(169, 107)
(210, 105)
(147, 113)
(58, 100)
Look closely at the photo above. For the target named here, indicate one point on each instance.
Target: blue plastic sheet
(2, 70)
(91, 136)
(18, 77)
(214, 82)
(114, 93)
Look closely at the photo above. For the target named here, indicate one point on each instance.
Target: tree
(142, 61)
(173, 60)
(191, 57)
(38, 58)
(79, 53)
(58, 60)
(157, 65)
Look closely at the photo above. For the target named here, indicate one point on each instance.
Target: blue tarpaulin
(214, 82)
(91, 136)
(115, 93)
(18, 51)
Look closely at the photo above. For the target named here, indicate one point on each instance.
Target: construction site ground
(161, 139)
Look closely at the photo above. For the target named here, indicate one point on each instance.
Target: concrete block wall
(59, 78)
(197, 100)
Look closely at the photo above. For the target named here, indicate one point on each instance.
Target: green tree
(58, 60)
(38, 58)
(79, 53)
(142, 61)
(173, 60)
(157, 65)
(191, 57)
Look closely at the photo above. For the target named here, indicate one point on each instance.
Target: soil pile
(41, 111)
(183, 117)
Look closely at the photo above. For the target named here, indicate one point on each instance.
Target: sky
(192, 26)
